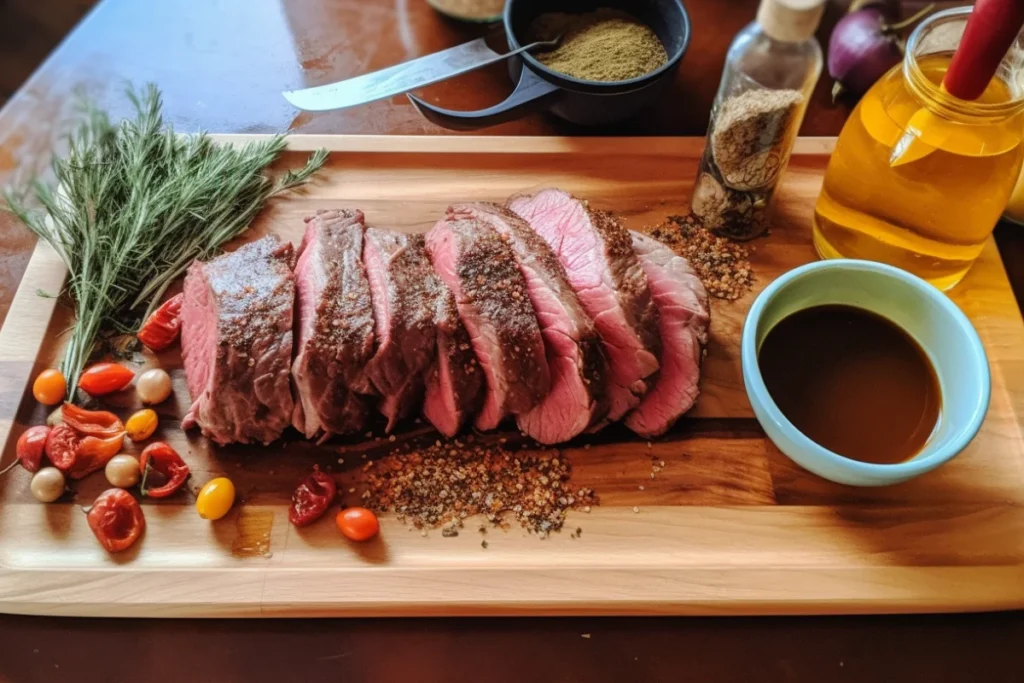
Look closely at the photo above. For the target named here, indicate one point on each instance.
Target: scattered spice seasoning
(605, 45)
(749, 143)
(439, 485)
(723, 266)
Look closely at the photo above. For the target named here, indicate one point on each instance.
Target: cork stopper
(791, 21)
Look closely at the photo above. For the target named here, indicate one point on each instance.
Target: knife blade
(401, 78)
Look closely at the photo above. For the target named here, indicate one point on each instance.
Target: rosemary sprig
(134, 204)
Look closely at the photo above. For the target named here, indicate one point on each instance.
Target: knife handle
(532, 94)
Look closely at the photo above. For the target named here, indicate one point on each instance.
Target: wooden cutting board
(727, 526)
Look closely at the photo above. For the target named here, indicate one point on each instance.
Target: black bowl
(539, 88)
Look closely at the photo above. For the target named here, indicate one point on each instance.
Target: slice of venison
(597, 253)
(572, 346)
(479, 268)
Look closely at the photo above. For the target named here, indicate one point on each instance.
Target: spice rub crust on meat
(236, 342)
(479, 268)
(335, 338)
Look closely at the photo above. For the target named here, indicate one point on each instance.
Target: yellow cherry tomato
(50, 387)
(141, 425)
(215, 498)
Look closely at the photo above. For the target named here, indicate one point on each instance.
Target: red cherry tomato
(117, 520)
(105, 378)
(31, 445)
(91, 422)
(312, 497)
(163, 470)
(163, 326)
(79, 455)
(357, 524)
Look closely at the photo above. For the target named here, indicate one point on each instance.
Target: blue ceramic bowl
(926, 314)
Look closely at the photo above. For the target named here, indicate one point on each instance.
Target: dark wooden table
(221, 65)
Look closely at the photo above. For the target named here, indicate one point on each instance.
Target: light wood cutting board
(728, 526)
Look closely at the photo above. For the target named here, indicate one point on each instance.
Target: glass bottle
(927, 205)
(770, 72)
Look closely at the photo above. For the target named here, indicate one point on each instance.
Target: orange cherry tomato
(100, 423)
(116, 519)
(105, 378)
(50, 387)
(357, 524)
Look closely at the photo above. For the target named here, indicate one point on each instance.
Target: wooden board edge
(45, 273)
(722, 591)
(497, 144)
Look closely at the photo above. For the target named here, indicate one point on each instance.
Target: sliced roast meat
(455, 382)
(400, 276)
(236, 342)
(597, 254)
(684, 317)
(479, 268)
(572, 346)
(335, 339)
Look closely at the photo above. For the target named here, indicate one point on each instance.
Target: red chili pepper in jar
(163, 470)
(312, 497)
(163, 325)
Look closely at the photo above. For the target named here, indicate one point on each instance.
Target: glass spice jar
(770, 72)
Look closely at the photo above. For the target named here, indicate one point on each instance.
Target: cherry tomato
(116, 519)
(79, 455)
(163, 325)
(357, 524)
(141, 425)
(99, 423)
(163, 470)
(105, 378)
(31, 445)
(312, 497)
(215, 498)
(50, 387)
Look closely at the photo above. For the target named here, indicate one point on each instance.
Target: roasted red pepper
(79, 455)
(163, 326)
(312, 498)
(99, 423)
(116, 519)
(163, 470)
(31, 445)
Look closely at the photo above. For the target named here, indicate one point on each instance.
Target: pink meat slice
(335, 339)
(236, 342)
(479, 268)
(572, 346)
(597, 254)
(454, 383)
(684, 318)
(400, 275)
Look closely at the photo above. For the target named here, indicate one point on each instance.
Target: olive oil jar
(919, 178)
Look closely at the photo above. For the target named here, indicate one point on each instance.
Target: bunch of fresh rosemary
(135, 204)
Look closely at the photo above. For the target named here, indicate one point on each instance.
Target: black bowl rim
(608, 87)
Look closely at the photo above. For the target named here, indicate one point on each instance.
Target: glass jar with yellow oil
(919, 178)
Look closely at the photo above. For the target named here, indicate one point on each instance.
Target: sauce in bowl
(853, 382)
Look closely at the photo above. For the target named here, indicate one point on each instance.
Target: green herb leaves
(135, 204)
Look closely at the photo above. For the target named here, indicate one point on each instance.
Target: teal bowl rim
(899, 471)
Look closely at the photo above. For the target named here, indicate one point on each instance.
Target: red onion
(863, 47)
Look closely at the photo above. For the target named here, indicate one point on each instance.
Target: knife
(401, 78)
